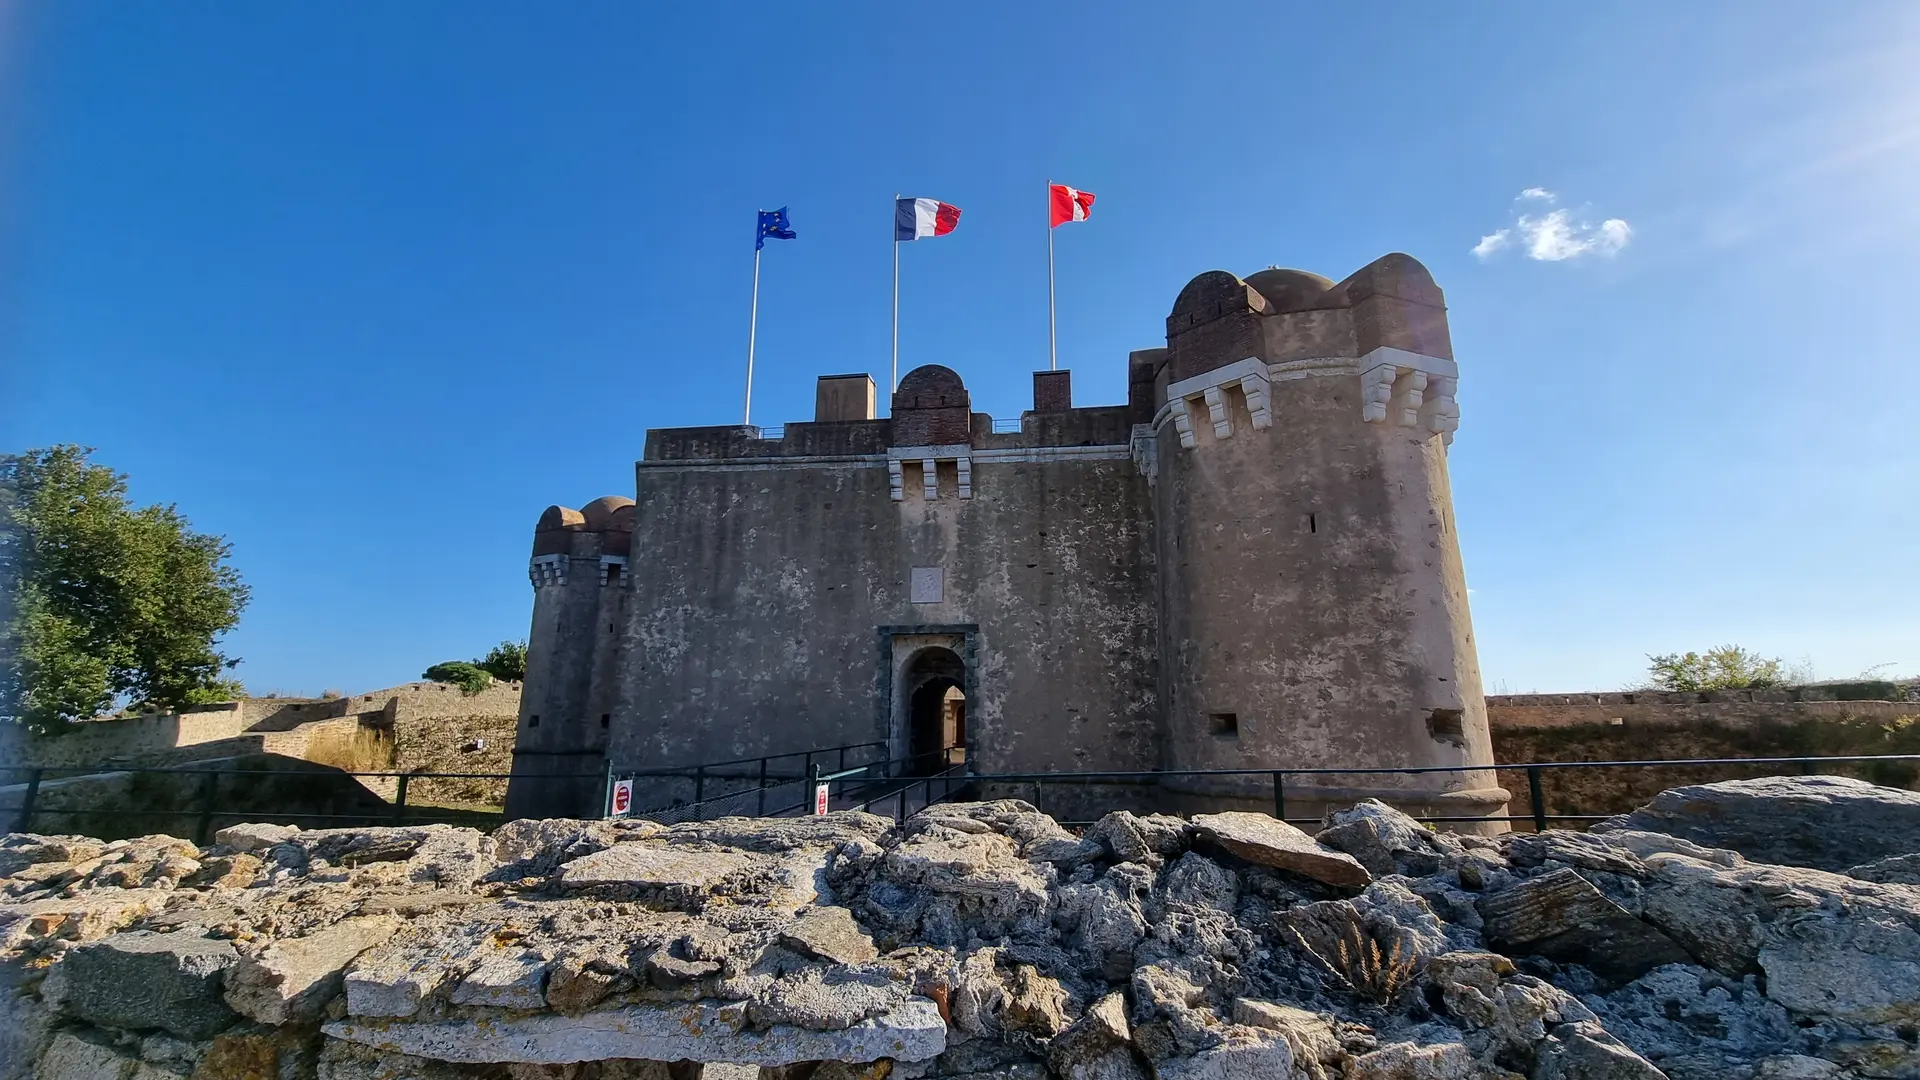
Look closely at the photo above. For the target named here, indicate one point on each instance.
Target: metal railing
(778, 785)
(205, 804)
(741, 783)
(1538, 815)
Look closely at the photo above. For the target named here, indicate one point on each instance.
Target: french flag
(915, 218)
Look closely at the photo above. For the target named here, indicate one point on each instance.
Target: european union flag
(773, 223)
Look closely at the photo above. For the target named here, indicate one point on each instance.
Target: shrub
(470, 678)
(1728, 667)
(506, 661)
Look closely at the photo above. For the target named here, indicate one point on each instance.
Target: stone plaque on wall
(928, 585)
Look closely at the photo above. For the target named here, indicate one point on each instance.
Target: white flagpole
(894, 379)
(1053, 354)
(753, 324)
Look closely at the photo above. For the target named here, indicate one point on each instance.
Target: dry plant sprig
(1362, 967)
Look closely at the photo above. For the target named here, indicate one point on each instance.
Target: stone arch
(933, 695)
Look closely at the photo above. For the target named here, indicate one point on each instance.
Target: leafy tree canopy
(103, 602)
(468, 677)
(1728, 667)
(506, 661)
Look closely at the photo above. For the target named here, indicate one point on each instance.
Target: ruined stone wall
(767, 586)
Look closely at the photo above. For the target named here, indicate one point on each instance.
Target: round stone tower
(580, 582)
(1313, 606)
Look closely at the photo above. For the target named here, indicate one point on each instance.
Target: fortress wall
(1641, 709)
(96, 741)
(765, 588)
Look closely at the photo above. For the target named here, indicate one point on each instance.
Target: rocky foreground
(983, 940)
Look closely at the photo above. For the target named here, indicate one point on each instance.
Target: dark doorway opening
(936, 711)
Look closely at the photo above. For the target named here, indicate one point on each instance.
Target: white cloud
(1556, 235)
(1491, 243)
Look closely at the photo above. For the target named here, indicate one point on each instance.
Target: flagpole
(893, 382)
(1053, 354)
(753, 324)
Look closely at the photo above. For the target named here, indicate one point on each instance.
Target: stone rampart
(1735, 708)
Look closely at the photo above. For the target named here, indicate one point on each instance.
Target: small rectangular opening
(1313, 523)
(534, 720)
(1448, 725)
(606, 720)
(1224, 724)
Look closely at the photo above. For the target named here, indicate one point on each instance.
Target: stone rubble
(979, 941)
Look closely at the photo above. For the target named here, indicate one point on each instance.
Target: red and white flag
(1069, 204)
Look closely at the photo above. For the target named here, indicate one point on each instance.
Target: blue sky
(365, 287)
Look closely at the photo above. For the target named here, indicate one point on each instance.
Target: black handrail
(863, 785)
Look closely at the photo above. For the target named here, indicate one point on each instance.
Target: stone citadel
(1252, 563)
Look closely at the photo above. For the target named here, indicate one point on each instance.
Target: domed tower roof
(600, 513)
(1290, 290)
(555, 518)
(931, 386)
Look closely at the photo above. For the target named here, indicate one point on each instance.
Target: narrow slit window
(1313, 523)
(606, 720)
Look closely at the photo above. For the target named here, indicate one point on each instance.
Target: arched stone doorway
(934, 692)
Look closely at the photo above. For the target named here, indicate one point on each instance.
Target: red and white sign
(820, 798)
(622, 797)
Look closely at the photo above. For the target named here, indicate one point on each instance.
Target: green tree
(506, 661)
(102, 602)
(1728, 667)
(469, 678)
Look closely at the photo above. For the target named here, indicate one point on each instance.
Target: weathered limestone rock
(830, 933)
(293, 978)
(1094, 1047)
(254, 837)
(139, 979)
(701, 1031)
(831, 1000)
(575, 985)
(1829, 945)
(1130, 837)
(1895, 870)
(1796, 1067)
(1317, 1049)
(68, 1057)
(1561, 916)
(1383, 839)
(508, 980)
(224, 872)
(982, 867)
(1386, 914)
(1408, 1061)
(88, 916)
(1036, 1004)
(650, 867)
(1584, 1051)
(1697, 1025)
(18, 851)
(1268, 841)
(773, 836)
(608, 950)
(1823, 822)
(397, 978)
